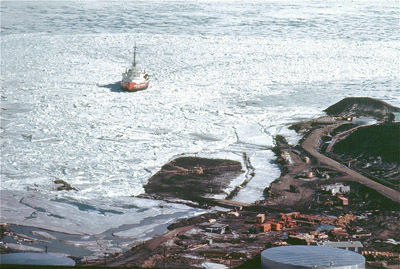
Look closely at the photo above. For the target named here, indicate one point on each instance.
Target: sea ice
(217, 91)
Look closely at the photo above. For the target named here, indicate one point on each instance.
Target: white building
(355, 246)
(336, 188)
(364, 121)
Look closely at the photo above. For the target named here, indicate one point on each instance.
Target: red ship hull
(132, 86)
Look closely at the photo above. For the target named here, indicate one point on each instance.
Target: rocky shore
(340, 183)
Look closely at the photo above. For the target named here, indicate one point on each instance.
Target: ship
(134, 79)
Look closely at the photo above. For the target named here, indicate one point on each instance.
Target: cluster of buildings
(285, 221)
(319, 241)
(338, 191)
(392, 117)
(312, 249)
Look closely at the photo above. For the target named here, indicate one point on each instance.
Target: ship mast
(134, 56)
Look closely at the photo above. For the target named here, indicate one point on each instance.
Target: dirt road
(312, 141)
(143, 252)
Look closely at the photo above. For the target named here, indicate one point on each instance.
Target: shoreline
(188, 243)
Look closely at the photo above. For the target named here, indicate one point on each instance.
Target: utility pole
(164, 258)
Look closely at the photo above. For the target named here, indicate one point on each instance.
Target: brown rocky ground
(193, 179)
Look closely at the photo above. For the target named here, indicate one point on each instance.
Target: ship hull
(132, 86)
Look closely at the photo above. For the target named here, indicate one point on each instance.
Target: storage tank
(290, 257)
(364, 121)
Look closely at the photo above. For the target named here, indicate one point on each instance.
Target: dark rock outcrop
(191, 178)
(361, 106)
(61, 185)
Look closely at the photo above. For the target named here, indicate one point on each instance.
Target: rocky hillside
(361, 107)
(372, 141)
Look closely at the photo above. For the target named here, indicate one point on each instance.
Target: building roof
(343, 244)
(218, 225)
(312, 256)
(334, 185)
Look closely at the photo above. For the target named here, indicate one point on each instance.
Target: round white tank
(364, 121)
(289, 257)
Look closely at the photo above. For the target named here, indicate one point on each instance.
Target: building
(217, 228)
(233, 213)
(285, 216)
(394, 117)
(343, 200)
(355, 246)
(300, 239)
(317, 257)
(265, 227)
(276, 226)
(260, 218)
(364, 121)
(339, 232)
(336, 188)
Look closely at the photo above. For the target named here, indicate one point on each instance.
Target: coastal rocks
(61, 185)
(192, 178)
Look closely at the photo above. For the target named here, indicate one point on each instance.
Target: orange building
(276, 226)
(265, 227)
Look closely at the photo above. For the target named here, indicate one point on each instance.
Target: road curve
(312, 141)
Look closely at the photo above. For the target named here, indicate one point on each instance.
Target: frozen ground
(224, 80)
